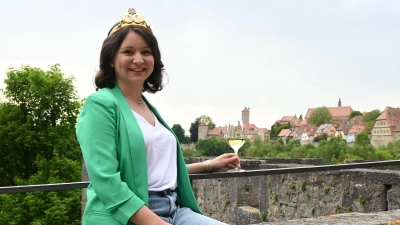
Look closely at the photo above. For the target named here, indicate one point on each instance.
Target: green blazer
(113, 148)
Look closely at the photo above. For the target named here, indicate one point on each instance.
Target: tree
(179, 132)
(38, 145)
(208, 121)
(276, 130)
(301, 117)
(320, 115)
(194, 130)
(362, 148)
(369, 119)
(322, 137)
(212, 147)
(331, 151)
(355, 113)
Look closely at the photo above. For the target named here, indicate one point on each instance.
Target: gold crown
(131, 19)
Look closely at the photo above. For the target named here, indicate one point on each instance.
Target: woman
(134, 162)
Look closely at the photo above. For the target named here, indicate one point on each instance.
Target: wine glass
(235, 137)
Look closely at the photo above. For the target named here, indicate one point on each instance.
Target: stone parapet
(378, 218)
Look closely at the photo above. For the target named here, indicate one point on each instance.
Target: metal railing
(247, 173)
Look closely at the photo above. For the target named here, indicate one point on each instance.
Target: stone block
(247, 215)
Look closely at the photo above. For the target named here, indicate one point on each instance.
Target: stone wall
(251, 200)
(378, 140)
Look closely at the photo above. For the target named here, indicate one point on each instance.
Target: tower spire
(340, 102)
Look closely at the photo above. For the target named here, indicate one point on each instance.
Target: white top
(161, 154)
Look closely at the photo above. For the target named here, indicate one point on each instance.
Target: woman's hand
(228, 160)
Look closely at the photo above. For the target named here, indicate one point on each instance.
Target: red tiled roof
(286, 119)
(310, 129)
(217, 131)
(304, 122)
(343, 111)
(248, 126)
(345, 128)
(283, 132)
(356, 129)
(296, 123)
(356, 121)
(265, 130)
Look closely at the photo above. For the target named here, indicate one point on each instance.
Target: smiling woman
(134, 161)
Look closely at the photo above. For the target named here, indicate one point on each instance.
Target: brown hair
(105, 77)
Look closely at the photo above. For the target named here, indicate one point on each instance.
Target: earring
(112, 65)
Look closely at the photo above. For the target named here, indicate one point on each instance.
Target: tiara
(131, 19)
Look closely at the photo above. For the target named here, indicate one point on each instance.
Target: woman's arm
(96, 133)
(229, 160)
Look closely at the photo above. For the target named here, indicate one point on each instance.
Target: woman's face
(134, 61)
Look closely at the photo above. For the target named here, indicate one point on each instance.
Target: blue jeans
(163, 204)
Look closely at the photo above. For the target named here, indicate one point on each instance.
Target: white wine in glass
(235, 137)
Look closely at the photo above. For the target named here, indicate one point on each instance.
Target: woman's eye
(128, 52)
(147, 52)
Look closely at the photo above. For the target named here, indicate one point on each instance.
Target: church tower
(202, 130)
(340, 103)
(246, 115)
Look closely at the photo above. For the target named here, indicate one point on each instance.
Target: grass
(326, 190)
(264, 216)
(303, 185)
(361, 200)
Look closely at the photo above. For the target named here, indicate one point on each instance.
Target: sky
(278, 58)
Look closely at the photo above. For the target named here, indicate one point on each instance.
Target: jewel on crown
(131, 19)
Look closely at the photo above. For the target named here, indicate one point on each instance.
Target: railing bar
(43, 187)
(75, 185)
(295, 170)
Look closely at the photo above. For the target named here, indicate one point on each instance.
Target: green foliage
(188, 153)
(322, 137)
(301, 117)
(207, 120)
(303, 185)
(320, 115)
(38, 146)
(276, 130)
(362, 148)
(308, 195)
(355, 113)
(361, 200)
(292, 186)
(264, 216)
(274, 197)
(369, 119)
(313, 211)
(326, 190)
(226, 203)
(194, 130)
(179, 132)
(332, 151)
(257, 141)
(212, 147)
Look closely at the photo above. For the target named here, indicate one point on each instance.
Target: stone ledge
(379, 218)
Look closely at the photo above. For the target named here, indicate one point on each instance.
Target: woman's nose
(137, 58)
